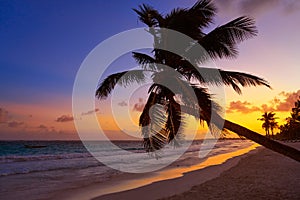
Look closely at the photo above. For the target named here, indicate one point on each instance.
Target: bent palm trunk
(251, 135)
(264, 141)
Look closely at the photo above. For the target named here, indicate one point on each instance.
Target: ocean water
(16, 158)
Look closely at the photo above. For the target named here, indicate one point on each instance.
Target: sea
(20, 157)
(43, 169)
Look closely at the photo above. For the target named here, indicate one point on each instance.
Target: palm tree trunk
(264, 141)
(251, 135)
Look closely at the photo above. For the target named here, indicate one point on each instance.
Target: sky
(43, 43)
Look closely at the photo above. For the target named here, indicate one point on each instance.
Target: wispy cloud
(14, 124)
(64, 118)
(43, 129)
(8, 120)
(257, 8)
(3, 115)
(90, 112)
(122, 103)
(243, 107)
(42, 126)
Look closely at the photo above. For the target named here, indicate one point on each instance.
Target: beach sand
(260, 174)
(264, 175)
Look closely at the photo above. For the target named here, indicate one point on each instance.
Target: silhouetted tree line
(291, 129)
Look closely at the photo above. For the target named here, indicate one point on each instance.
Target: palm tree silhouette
(221, 42)
(295, 114)
(269, 122)
(273, 125)
(292, 127)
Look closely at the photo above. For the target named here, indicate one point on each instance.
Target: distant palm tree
(273, 125)
(221, 42)
(267, 118)
(269, 123)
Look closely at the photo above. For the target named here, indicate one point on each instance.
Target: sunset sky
(43, 43)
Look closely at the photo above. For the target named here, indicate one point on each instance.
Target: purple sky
(43, 43)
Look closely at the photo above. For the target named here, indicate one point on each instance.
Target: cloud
(8, 120)
(243, 107)
(139, 106)
(3, 116)
(90, 112)
(267, 108)
(288, 103)
(292, 6)
(257, 7)
(276, 104)
(14, 124)
(122, 103)
(254, 7)
(64, 118)
(42, 127)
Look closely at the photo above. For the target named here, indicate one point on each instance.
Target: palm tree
(221, 42)
(290, 130)
(269, 122)
(273, 125)
(295, 114)
(266, 124)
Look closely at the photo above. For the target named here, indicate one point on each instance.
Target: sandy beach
(264, 175)
(260, 174)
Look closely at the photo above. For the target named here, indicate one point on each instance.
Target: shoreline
(221, 174)
(263, 175)
(129, 186)
(258, 174)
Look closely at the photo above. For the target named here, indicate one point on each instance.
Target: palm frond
(157, 136)
(198, 101)
(151, 123)
(191, 95)
(219, 77)
(232, 78)
(208, 107)
(168, 58)
(174, 124)
(191, 21)
(222, 41)
(203, 10)
(145, 61)
(145, 118)
(208, 110)
(161, 120)
(121, 78)
(180, 20)
(149, 16)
